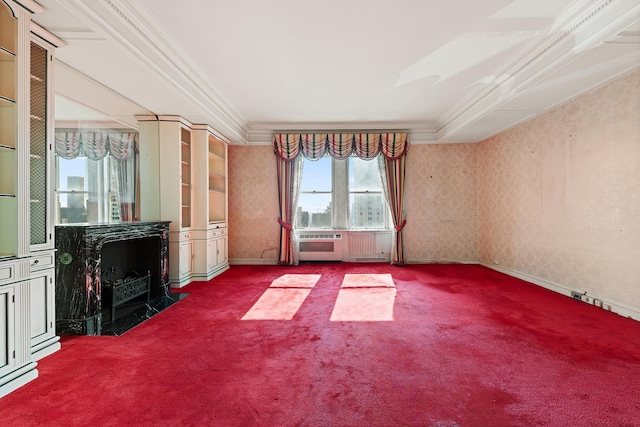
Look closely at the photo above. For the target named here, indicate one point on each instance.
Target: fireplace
(111, 277)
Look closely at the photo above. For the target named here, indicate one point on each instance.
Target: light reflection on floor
(362, 298)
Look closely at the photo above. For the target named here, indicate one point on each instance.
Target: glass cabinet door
(39, 148)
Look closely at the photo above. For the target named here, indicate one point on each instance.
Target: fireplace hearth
(111, 277)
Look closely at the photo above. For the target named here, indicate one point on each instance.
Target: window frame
(340, 198)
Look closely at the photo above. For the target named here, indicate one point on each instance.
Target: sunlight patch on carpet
(365, 298)
(368, 281)
(277, 304)
(284, 297)
(296, 281)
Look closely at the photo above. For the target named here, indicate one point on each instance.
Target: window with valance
(290, 148)
(97, 175)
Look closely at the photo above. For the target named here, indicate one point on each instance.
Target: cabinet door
(212, 254)
(40, 153)
(42, 300)
(222, 250)
(7, 330)
(186, 258)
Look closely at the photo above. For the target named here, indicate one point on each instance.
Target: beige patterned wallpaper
(441, 203)
(254, 233)
(560, 195)
(556, 198)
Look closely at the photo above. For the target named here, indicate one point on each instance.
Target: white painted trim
(419, 133)
(127, 26)
(31, 6)
(253, 262)
(441, 261)
(46, 35)
(620, 309)
(581, 27)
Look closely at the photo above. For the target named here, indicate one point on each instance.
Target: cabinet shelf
(4, 101)
(5, 52)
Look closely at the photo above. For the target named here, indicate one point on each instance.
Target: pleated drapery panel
(394, 171)
(340, 145)
(390, 146)
(289, 173)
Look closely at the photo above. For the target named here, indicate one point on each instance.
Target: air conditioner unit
(320, 246)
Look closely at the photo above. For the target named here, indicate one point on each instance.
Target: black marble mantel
(79, 267)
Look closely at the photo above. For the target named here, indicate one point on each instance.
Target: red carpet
(467, 346)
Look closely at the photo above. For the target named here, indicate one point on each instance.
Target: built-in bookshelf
(8, 132)
(27, 252)
(185, 176)
(217, 180)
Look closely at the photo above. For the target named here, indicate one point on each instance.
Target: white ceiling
(453, 71)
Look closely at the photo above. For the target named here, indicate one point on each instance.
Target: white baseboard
(441, 261)
(253, 261)
(552, 286)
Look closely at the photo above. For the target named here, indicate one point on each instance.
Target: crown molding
(45, 35)
(419, 133)
(581, 27)
(127, 26)
(31, 6)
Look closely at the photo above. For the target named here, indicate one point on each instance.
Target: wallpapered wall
(556, 198)
(254, 233)
(560, 195)
(441, 203)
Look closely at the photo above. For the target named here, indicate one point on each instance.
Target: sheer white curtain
(108, 185)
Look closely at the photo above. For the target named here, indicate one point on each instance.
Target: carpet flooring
(454, 345)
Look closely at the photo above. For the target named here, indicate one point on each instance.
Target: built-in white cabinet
(7, 329)
(184, 173)
(210, 203)
(27, 285)
(166, 187)
(42, 295)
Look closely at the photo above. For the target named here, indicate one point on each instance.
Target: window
(367, 206)
(316, 196)
(87, 190)
(341, 194)
(96, 175)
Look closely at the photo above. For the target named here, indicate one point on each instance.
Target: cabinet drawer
(216, 233)
(7, 272)
(13, 271)
(184, 235)
(41, 262)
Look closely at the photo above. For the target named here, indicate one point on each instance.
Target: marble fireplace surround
(86, 252)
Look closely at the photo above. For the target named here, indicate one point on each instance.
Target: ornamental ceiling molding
(123, 24)
(581, 27)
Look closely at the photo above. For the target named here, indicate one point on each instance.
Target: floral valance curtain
(96, 145)
(340, 145)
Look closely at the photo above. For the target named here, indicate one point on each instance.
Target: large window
(96, 176)
(90, 190)
(316, 195)
(367, 207)
(341, 194)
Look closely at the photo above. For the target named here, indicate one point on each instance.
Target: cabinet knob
(35, 261)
